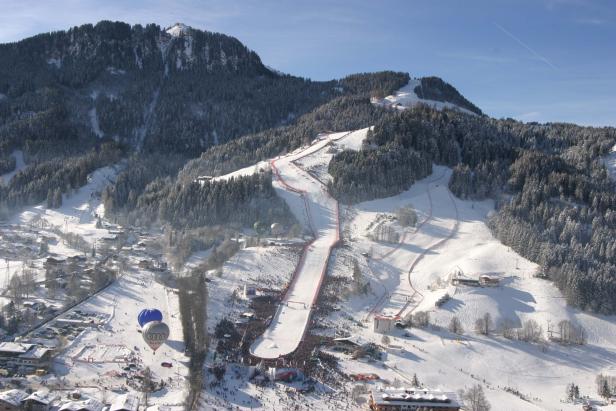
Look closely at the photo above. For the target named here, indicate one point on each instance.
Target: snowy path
(308, 199)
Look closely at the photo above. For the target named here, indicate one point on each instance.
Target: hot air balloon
(276, 229)
(155, 333)
(149, 314)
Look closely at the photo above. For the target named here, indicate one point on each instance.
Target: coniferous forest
(555, 200)
(168, 108)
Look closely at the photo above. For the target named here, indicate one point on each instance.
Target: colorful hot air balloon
(148, 315)
(155, 333)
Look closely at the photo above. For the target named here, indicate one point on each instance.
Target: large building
(13, 354)
(412, 399)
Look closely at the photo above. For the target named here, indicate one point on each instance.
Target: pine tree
(415, 381)
(604, 389)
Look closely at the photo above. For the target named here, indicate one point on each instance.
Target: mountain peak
(178, 30)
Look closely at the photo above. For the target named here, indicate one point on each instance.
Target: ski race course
(309, 200)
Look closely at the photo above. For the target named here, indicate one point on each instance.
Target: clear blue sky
(534, 60)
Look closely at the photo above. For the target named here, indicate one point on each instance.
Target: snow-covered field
(263, 267)
(405, 278)
(441, 359)
(97, 357)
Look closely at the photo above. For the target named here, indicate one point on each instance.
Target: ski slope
(437, 227)
(406, 98)
(540, 372)
(308, 199)
(78, 211)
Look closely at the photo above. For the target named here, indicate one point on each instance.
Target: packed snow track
(308, 199)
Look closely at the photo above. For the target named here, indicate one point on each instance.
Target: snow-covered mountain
(177, 89)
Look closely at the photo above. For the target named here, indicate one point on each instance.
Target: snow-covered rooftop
(13, 347)
(123, 402)
(43, 397)
(13, 397)
(38, 352)
(90, 404)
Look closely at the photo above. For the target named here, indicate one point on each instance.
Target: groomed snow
(79, 209)
(406, 98)
(442, 359)
(246, 171)
(351, 141)
(309, 201)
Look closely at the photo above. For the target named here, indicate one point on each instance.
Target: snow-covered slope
(246, 171)
(411, 276)
(78, 211)
(540, 372)
(406, 98)
(19, 165)
(178, 30)
(610, 162)
(310, 202)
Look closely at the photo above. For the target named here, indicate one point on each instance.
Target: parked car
(166, 364)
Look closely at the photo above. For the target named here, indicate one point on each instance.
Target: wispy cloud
(591, 21)
(485, 58)
(526, 46)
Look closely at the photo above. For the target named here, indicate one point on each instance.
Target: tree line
(556, 203)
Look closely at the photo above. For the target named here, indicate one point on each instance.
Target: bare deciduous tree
(484, 324)
(475, 399)
(455, 326)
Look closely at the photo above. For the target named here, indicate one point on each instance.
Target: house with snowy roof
(39, 401)
(125, 402)
(11, 400)
(19, 354)
(90, 404)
